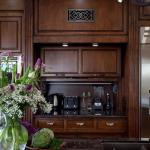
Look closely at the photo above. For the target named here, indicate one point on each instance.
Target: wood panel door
(101, 61)
(60, 62)
(74, 17)
(81, 62)
(11, 31)
(145, 12)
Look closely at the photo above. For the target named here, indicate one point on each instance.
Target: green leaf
(56, 144)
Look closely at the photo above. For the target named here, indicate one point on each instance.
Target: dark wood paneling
(99, 61)
(144, 12)
(50, 19)
(112, 125)
(133, 72)
(82, 62)
(12, 5)
(12, 29)
(61, 61)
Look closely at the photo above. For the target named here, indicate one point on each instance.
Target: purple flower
(28, 126)
(38, 64)
(17, 75)
(11, 87)
(28, 88)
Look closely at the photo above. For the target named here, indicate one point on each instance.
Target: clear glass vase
(13, 136)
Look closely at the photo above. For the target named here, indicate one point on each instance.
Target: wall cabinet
(144, 12)
(78, 19)
(81, 62)
(11, 31)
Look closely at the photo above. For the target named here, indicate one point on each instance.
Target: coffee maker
(56, 100)
(97, 107)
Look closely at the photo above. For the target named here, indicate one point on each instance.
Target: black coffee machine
(97, 106)
(56, 100)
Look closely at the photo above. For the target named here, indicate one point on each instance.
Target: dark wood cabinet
(12, 31)
(144, 12)
(87, 125)
(82, 62)
(54, 19)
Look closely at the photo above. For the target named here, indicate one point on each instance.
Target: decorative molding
(81, 15)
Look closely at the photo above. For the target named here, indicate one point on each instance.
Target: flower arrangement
(22, 91)
(17, 92)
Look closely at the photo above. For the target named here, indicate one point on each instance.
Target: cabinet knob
(80, 123)
(50, 123)
(110, 124)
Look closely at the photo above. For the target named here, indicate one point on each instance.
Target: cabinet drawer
(112, 125)
(51, 123)
(80, 125)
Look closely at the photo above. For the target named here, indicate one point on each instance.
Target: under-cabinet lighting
(95, 44)
(120, 1)
(77, 83)
(65, 45)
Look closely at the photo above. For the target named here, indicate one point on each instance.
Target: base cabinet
(108, 126)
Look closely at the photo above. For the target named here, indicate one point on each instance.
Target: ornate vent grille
(81, 15)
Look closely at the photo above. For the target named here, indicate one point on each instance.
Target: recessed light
(95, 44)
(65, 45)
(120, 1)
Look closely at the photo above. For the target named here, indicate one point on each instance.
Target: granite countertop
(99, 144)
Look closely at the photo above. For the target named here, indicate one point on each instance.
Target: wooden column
(133, 54)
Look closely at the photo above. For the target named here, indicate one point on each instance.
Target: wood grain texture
(12, 5)
(12, 31)
(133, 46)
(82, 62)
(50, 20)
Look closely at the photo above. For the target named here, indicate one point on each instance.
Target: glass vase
(13, 136)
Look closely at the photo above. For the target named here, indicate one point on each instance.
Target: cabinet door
(145, 12)
(11, 31)
(101, 62)
(60, 62)
(76, 17)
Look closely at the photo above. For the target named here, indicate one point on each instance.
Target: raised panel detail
(99, 61)
(145, 12)
(11, 31)
(9, 37)
(60, 61)
(51, 18)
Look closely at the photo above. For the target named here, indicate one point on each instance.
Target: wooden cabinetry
(11, 35)
(54, 19)
(91, 125)
(12, 26)
(144, 12)
(82, 62)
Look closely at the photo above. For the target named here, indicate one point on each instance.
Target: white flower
(31, 75)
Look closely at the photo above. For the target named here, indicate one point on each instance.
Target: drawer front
(80, 125)
(51, 123)
(112, 125)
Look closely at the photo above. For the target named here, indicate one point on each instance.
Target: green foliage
(56, 144)
(42, 138)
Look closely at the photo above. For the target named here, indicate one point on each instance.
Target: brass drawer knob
(80, 123)
(50, 123)
(110, 124)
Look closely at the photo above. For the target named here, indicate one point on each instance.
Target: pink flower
(38, 64)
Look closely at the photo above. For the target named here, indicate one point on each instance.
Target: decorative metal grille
(81, 15)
